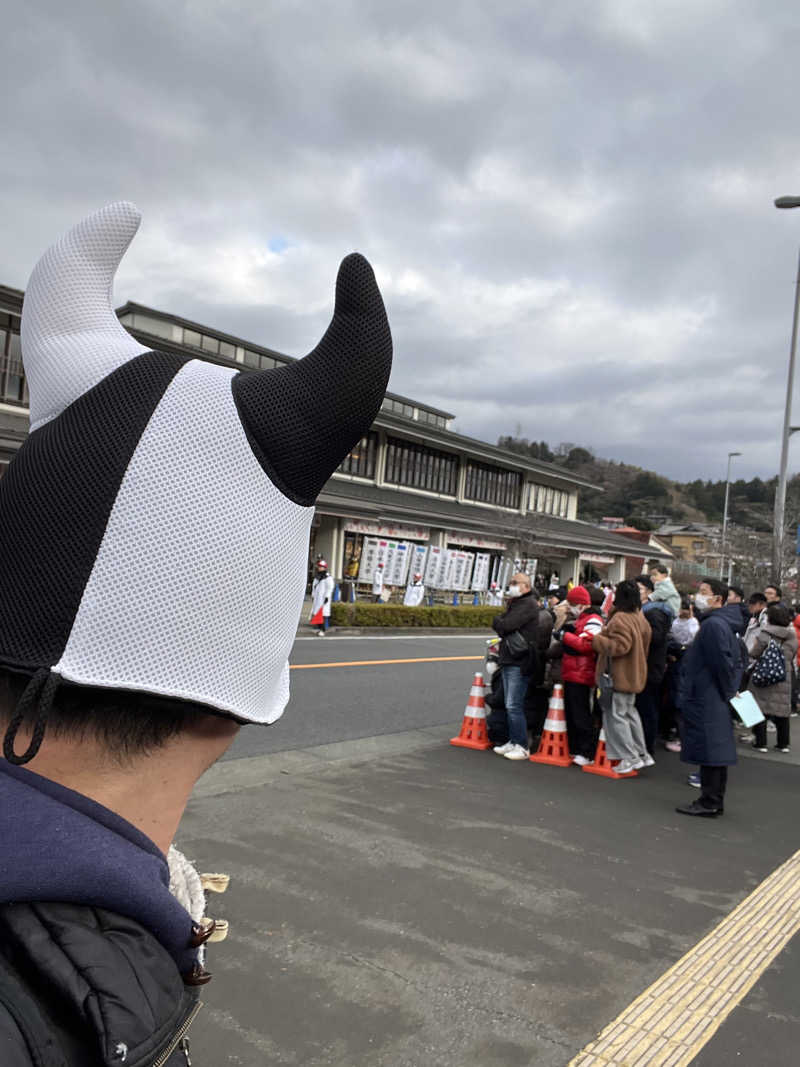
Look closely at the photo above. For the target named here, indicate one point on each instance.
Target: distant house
(655, 549)
(694, 542)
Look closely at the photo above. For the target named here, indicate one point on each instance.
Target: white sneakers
(582, 761)
(646, 761)
(517, 752)
(626, 766)
(511, 751)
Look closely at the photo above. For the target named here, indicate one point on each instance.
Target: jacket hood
(782, 633)
(731, 614)
(59, 845)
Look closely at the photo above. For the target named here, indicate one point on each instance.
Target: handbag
(516, 643)
(605, 688)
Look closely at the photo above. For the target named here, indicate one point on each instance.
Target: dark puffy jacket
(579, 663)
(521, 614)
(660, 625)
(84, 987)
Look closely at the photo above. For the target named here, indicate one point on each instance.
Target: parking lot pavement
(397, 901)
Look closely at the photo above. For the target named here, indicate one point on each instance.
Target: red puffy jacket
(579, 661)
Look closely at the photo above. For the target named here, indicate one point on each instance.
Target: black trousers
(580, 725)
(647, 704)
(781, 725)
(713, 781)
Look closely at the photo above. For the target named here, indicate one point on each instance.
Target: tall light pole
(788, 429)
(725, 513)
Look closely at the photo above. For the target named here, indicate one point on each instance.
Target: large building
(413, 492)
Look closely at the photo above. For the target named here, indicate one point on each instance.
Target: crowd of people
(649, 667)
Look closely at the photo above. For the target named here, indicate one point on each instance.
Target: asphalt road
(397, 902)
(343, 703)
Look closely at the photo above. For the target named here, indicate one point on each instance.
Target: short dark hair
(662, 568)
(646, 581)
(737, 590)
(596, 595)
(757, 598)
(717, 587)
(777, 589)
(126, 724)
(779, 615)
(627, 598)
(686, 604)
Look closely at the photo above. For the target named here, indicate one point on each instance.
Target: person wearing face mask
(578, 667)
(321, 596)
(494, 596)
(517, 628)
(711, 675)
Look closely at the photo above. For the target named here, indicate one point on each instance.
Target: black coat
(521, 614)
(84, 987)
(711, 674)
(660, 625)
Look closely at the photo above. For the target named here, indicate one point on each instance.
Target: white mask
(514, 590)
(701, 602)
(491, 667)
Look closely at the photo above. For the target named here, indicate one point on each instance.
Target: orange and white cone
(473, 727)
(554, 746)
(603, 765)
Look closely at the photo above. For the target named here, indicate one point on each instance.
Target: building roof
(437, 436)
(343, 497)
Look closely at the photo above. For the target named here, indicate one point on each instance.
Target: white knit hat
(154, 526)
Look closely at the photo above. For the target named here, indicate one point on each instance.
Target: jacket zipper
(187, 1022)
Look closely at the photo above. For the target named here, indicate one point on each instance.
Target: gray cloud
(569, 207)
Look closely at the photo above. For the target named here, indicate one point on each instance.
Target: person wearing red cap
(578, 667)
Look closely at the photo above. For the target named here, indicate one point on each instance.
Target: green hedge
(389, 615)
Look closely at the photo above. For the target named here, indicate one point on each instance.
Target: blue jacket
(712, 671)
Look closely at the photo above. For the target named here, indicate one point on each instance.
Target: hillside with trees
(647, 500)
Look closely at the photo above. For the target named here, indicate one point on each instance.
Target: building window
(209, 344)
(493, 485)
(227, 350)
(191, 337)
(361, 460)
(13, 389)
(420, 467)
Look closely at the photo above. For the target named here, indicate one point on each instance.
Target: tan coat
(626, 638)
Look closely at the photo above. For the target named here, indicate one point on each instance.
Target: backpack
(770, 668)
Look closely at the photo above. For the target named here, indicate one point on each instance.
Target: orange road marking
(377, 662)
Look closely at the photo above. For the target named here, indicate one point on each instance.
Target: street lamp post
(725, 513)
(788, 429)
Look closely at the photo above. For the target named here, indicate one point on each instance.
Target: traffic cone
(554, 746)
(473, 727)
(603, 765)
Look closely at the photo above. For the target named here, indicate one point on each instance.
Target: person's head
(122, 585)
(772, 593)
(597, 596)
(322, 568)
(686, 608)
(627, 596)
(778, 614)
(756, 603)
(114, 730)
(712, 593)
(520, 584)
(659, 572)
(645, 587)
(579, 598)
(735, 594)
(417, 577)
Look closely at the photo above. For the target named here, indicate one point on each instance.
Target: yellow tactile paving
(668, 1024)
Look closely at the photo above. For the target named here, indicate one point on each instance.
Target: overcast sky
(568, 205)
